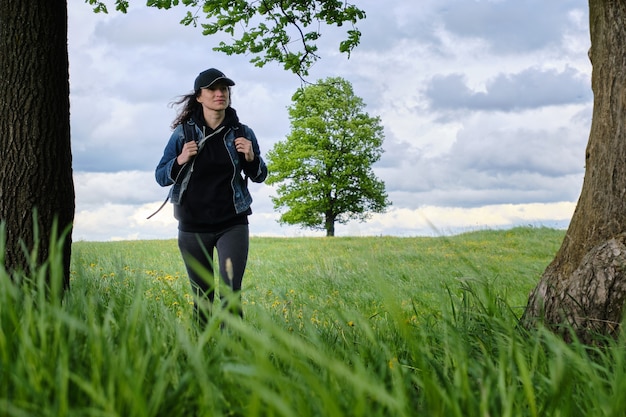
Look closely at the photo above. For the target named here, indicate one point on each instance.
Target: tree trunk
(36, 161)
(585, 284)
(329, 224)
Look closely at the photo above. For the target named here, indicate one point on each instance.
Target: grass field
(373, 326)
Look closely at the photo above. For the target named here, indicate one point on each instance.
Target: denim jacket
(241, 196)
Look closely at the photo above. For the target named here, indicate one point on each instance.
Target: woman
(205, 158)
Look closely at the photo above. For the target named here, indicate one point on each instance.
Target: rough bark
(584, 284)
(589, 303)
(36, 162)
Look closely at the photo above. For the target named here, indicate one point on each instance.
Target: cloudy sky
(486, 106)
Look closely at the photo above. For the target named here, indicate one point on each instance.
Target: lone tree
(35, 152)
(324, 167)
(585, 285)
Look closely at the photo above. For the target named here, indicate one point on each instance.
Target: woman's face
(215, 97)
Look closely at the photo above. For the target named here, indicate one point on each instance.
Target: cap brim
(225, 80)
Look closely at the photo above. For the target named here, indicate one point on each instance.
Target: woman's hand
(244, 146)
(190, 149)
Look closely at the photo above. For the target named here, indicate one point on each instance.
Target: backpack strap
(240, 130)
(190, 132)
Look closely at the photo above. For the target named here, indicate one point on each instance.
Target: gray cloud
(506, 27)
(511, 27)
(492, 164)
(528, 89)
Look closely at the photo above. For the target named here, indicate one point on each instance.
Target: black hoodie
(208, 202)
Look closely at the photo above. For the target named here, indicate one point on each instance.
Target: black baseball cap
(209, 77)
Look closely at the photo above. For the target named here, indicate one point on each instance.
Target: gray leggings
(232, 251)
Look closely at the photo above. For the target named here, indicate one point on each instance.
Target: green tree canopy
(270, 30)
(324, 168)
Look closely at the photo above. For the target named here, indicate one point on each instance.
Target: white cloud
(122, 222)
(129, 187)
(433, 220)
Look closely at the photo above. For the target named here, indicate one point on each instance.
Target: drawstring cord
(160, 208)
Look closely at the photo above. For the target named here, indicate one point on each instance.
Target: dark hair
(189, 104)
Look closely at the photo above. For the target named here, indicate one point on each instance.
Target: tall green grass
(375, 326)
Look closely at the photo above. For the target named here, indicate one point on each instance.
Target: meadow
(344, 326)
